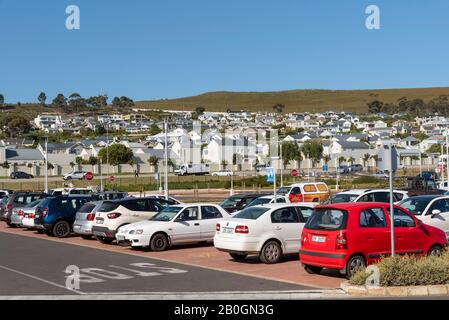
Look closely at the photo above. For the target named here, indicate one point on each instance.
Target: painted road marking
(40, 279)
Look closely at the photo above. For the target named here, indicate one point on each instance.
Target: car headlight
(140, 231)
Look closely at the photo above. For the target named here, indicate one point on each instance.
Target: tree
(290, 152)
(79, 161)
(97, 101)
(118, 154)
(340, 160)
(154, 162)
(72, 164)
(170, 163)
(366, 157)
(5, 165)
(224, 163)
(42, 98)
(30, 166)
(60, 101)
(199, 110)
(376, 159)
(93, 161)
(76, 102)
(313, 150)
(375, 106)
(279, 107)
(18, 125)
(154, 129)
(435, 148)
(351, 160)
(122, 102)
(2, 100)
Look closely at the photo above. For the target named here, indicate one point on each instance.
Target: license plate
(120, 238)
(228, 230)
(100, 221)
(318, 239)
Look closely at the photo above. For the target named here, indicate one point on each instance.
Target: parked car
(268, 231)
(69, 191)
(29, 214)
(305, 192)
(177, 224)
(74, 175)
(368, 195)
(381, 175)
(4, 193)
(430, 209)
(343, 169)
(84, 219)
(421, 186)
(355, 168)
(268, 199)
(55, 215)
(349, 236)
(238, 202)
(18, 200)
(222, 173)
(110, 195)
(18, 213)
(114, 214)
(20, 175)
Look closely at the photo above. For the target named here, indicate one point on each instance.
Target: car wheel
(271, 252)
(435, 251)
(86, 237)
(159, 242)
(105, 240)
(312, 269)
(238, 256)
(353, 265)
(61, 229)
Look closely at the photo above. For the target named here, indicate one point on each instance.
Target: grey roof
(343, 137)
(23, 154)
(353, 145)
(411, 139)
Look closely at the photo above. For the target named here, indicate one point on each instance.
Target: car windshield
(415, 205)
(283, 190)
(167, 214)
(258, 201)
(326, 219)
(343, 197)
(252, 213)
(231, 202)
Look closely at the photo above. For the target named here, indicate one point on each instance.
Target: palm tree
(340, 160)
(154, 162)
(351, 160)
(93, 161)
(376, 158)
(30, 166)
(50, 166)
(79, 161)
(171, 164)
(366, 157)
(72, 164)
(224, 163)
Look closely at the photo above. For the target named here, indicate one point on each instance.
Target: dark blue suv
(55, 215)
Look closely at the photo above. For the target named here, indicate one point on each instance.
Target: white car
(222, 173)
(79, 175)
(430, 209)
(368, 195)
(116, 213)
(269, 231)
(182, 223)
(268, 199)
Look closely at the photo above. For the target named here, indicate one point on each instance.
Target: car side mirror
(435, 212)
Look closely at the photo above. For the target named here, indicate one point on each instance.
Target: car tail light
(217, 227)
(20, 213)
(90, 217)
(31, 215)
(341, 242)
(113, 215)
(45, 212)
(295, 197)
(241, 229)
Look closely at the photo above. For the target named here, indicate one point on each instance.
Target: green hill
(294, 100)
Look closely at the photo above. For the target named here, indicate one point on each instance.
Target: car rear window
(108, 206)
(87, 207)
(322, 187)
(343, 197)
(327, 219)
(309, 188)
(251, 213)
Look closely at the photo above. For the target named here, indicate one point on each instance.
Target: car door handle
(197, 224)
(278, 228)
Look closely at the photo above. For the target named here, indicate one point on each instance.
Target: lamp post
(107, 146)
(46, 164)
(274, 177)
(447, 156)
(282, 166)
(166, 160)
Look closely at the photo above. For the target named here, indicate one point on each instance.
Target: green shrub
(366, 179)
(409, 271)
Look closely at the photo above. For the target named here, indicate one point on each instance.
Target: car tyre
(271, 252)
(159, 242)
(435, 251)
(238, 256)
(105, 240)
(61, 229)
(312, 269)
(354, 264)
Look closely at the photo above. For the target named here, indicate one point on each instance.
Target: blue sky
(149, 49)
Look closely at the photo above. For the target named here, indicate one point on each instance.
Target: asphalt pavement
(30, 266)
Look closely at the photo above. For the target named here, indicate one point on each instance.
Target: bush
(366, 179)
(409, 271)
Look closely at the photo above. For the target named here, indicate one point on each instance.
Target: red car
(349, 236)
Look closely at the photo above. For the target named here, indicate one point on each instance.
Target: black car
(20, 175)
(239, 201)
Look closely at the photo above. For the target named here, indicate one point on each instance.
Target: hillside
(294, 100)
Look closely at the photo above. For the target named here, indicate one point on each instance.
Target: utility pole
(46, 164)
(107, 146)
(337, 174)
(447, 157)
(101, 175)
(166, 160)
(282, 165)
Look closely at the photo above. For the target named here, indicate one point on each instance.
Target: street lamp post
(282, 165)
(447, 156)
(166, 161)
(107, 146)
(46, 164)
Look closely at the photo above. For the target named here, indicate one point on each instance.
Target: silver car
(85, 217)
(19, 214)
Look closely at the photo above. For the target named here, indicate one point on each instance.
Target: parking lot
(34, 264)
